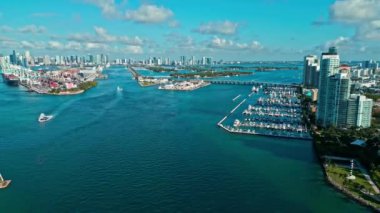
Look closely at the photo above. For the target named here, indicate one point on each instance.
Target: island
(209, 74)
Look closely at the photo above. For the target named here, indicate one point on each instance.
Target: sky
(229, 30)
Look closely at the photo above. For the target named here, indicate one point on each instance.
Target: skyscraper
(329, 66)
(183, 60)
(338, 91)
(359, 111)
(311, 72)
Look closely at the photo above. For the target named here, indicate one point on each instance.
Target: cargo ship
(11, 79)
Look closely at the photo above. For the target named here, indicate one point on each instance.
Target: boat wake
(102, 110)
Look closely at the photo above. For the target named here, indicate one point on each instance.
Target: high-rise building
(183, 60)
(311, 72)
(203, 60)
(330, 62)
(359, 111)
(209, 61)
(339, 86)
(13, 58)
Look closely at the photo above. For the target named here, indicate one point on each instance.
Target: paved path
(360, 167)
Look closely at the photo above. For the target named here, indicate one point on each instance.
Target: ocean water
(146, 150)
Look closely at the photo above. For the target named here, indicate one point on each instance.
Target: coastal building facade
(336, 105)
(330, 62)
(311, 71)
(359, 111)
(338, 92)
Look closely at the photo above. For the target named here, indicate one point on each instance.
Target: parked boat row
(276, 111)
(271, 126)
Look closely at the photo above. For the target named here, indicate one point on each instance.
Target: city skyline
(258, 30)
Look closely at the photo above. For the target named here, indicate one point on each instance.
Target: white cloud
(34, 29)
(56, 45)
(364, 15)
(5, 29)
(221, 43)
(148, 13)
(221, 28)
(73, 45)
(32, 44)
(353, 11)
(108, 7)
(131, 49)
(368, 31)
(338, 42)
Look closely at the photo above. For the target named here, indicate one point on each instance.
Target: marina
(271, 111)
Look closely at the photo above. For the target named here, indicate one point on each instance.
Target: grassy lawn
(339, 175)
(375, 175)
(146, 84)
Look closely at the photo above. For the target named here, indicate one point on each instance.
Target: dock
(276, 113)
(237, 97)
(135, 74)
(250, 83)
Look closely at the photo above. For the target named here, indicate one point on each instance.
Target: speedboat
(119, 89)
(44, 118)
(4, 183)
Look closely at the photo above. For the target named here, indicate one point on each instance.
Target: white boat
(119, 89)
(44, 118)
(4, 183)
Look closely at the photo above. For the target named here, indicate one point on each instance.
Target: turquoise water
(146, 150)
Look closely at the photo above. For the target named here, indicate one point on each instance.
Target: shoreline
(328, 180)
(337, 187)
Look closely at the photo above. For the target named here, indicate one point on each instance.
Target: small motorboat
(44, 118)
(4, 183)
(119, 89)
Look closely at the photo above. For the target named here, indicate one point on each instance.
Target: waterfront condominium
(336, 105)
(311, 72)
(330, 62)
(338, 92)
(359, 111)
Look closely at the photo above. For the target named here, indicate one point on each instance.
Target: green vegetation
(161, 69)
(339, 175)
(376, 117)
(197, 68)
(81, 87)
(146, 83)
(55, 91)
(333, 141)
(87, 85)
(374, 96)
(208, 74)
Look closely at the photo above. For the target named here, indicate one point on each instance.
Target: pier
(237, 107)
(276, 113)
(135, 74)
(250, 83)
(237, 97)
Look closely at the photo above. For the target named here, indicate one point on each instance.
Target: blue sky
(230, 30)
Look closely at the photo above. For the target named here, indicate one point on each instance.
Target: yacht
(4, 183)
(44, 118)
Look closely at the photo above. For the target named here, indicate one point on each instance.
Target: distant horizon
(263, 30)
